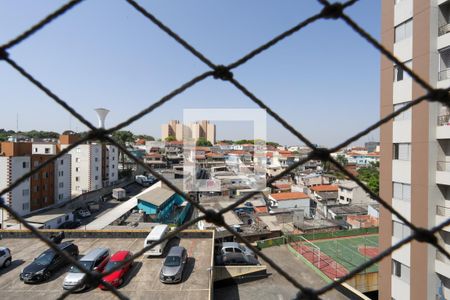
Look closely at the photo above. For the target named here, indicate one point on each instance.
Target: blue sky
(324, 79)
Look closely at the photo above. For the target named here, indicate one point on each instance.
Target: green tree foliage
(33, 134)
(170, 138)
(203, 142)
(370, 175)
(342, 160)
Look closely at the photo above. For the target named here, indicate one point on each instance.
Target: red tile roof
(213, 154)
(282, 185)
(325, 188)
(289, 196)
(260, 209)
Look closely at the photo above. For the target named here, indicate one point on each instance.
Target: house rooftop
(289, 196)
(156, 196)
(325, 188)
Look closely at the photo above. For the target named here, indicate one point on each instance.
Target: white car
(5, 257)
(84, 213)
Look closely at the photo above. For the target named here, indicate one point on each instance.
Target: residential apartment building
(93, 165)
(200, 129)
(414, 177)
(47, 187)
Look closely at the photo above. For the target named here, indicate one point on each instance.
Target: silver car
(95, 260)
(173, 266)
(233, 247)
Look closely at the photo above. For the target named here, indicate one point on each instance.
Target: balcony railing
(443, 166)
(444, 29)
(444, 120)
(443, 211)
(444, 74)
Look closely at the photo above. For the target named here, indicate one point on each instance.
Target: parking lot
(141, 282)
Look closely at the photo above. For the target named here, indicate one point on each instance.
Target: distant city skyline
(124, 63)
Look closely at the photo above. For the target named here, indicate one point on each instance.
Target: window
(61, 173)
(77, 178)
(77, 169)
(47, 150)
(341, 197)
(400, 230)
(96, 159)
(66, 217)
(77, 159)
(25, 192)
(403, 31)
(112, 166)
(45, 199)
(402, 151)
(96, 168)
(60, 196)
(25, 206)
(401, 191)
(36, 188)
(46, 174)
(400, 270)
(78, 150)
(77, 188)
(24, 165)
(62, 162)
(405, 115)
(61, 184)
(96, 177)
(59, 220)
(399, 73)
(35, 149)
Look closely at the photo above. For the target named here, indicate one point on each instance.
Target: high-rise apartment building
(49, 186)
(415, 157)
(201, 129)
(93, 165)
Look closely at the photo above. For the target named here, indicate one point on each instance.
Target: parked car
(47, 263)
(94, 260)
(233, 247)
(116, 277)
(83, 213)
(236, 259)
(173, 266)
(70, 225)
(5, 257)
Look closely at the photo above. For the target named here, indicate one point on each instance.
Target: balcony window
(401, 191)
(444, 64)
(444, 18)
(402, 151)
(405, 115)
(399, 73)
(403, 31)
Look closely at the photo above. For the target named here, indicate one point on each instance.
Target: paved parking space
(142, 282)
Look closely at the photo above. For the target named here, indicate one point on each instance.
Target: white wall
(401, 171)
(44, 148)
(96, 167)
(63, 178)
(401, 131)
(20, 202)
(112, 161)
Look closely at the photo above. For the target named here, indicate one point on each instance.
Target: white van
(158, 232)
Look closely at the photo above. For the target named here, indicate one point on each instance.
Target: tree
(342, 160)
(370, 175)
(123, 137)
(203, 142)
(170, 138)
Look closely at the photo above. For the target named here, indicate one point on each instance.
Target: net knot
(222, 72)
(424, 236)
(333, 11)
(440, 95)
(322, 154)
(211, 216)
(3, 54)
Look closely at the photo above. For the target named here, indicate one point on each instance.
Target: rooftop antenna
(101, 115)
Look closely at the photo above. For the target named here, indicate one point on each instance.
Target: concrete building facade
(414, 177)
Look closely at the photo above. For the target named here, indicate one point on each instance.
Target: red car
(116, 277)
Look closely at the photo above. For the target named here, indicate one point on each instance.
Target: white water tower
(101, 115)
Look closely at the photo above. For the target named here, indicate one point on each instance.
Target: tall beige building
(415, 161)
(196, 130)
(169, 129)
